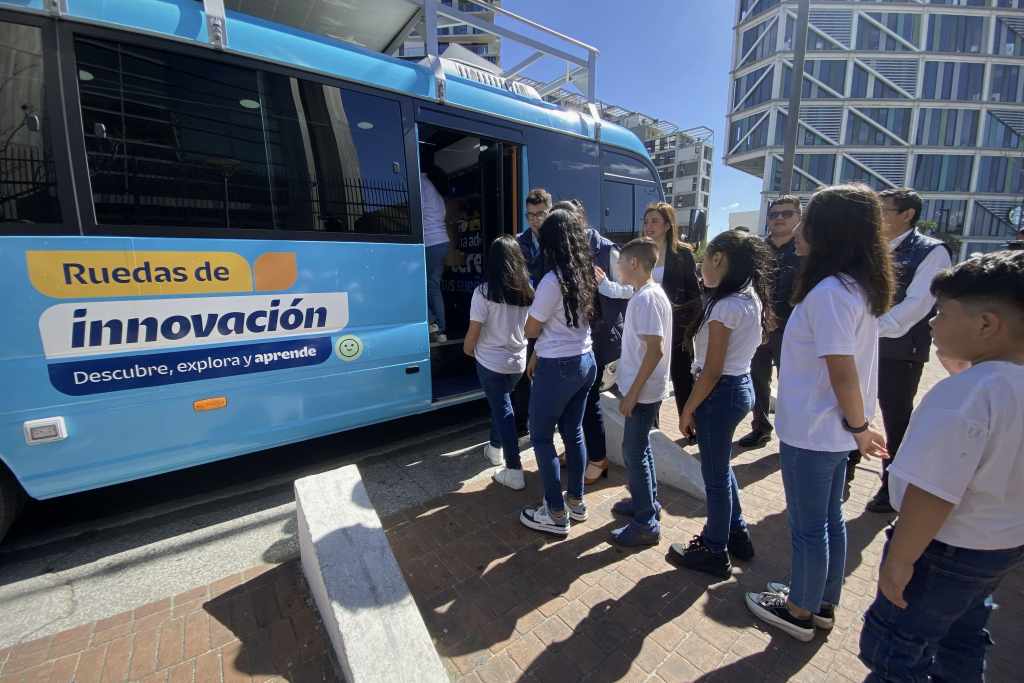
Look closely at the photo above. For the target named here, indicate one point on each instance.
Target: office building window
(751, 8)
(861, 132)
(708, 152)
(759, 42)
(998, 134)
(705, 184)
(804, 137)
(955, 33)
(1001, 175)
(960, 3)
(943, 173)
(906, 26)
(852, 173)
(830, 72)
(746, 95)
(947, 127)
(1013, 4)
(689, 168)
(865, 84)
(953, 81)
(756, 127)
(1007, 83)
(989, 222)
(1008, 42)
(685, 201)
(949, 215)
(816, 40)
(820, 166)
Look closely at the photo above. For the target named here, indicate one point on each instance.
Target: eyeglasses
(786, 213)
(536, 215)
(886, 208)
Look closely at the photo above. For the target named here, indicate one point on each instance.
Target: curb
(367, 609)
(673, 465)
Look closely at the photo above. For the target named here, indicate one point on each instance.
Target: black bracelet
(856, 430)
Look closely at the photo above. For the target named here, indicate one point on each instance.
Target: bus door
(628, 186)
(478, 175)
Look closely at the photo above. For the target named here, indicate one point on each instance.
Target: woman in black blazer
(676, 271)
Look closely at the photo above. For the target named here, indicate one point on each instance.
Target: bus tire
(11, 500)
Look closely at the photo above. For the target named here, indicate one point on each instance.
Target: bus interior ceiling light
(249, 104)
(365, 125)
(85, 75)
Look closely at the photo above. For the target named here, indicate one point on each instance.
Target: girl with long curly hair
(562, 369)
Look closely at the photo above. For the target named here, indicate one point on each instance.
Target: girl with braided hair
(562, 369)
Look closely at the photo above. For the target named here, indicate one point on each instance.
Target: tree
(931, 228)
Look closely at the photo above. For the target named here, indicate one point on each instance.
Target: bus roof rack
(384, 25)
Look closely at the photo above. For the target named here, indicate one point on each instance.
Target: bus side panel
(121, 336)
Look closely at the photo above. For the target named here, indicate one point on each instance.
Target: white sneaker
(540, 519)
(434, 329)
(513, 479)
(441, 338)
(494, 454)
(824, 618)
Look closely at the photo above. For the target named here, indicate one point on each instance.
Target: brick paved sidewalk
(254, 626)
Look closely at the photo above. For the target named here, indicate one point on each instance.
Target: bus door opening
(478, 178)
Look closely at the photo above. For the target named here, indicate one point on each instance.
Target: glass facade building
(923, 93)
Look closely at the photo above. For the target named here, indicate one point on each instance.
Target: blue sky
(666, 58)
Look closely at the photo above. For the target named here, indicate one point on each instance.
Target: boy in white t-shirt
(642, 377)
(958, 484)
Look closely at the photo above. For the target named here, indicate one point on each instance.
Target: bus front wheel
(11, 500)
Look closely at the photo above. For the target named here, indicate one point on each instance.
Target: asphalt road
(96, 554)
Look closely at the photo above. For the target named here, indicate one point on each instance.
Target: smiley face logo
(349, 347)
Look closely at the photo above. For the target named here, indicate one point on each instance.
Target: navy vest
(606, 328)
(915, 344)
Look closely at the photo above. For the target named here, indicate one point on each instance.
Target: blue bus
(210, 231)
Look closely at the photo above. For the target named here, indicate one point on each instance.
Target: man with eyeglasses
(783, 217)
(538, 206)
(905, 336)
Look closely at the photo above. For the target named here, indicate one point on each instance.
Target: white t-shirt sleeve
(645, 319)
(478, 307)
(833, 313)
(728, 311)
(546, 299)
(941, 451)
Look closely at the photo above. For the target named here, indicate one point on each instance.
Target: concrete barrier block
(673, 465)
(372, 620)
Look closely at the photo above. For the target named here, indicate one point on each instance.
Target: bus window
(28, 183)
(645, 195)
(566, 167)
(619, 214)
(178, 141)
(622, 166)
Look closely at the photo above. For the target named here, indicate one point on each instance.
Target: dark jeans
(897, 385)
(636, 453)
(717, 418)
(498, 389)
(681, 372)
(557, 400)
(767, 356)
(521, 396)
(593, 421)
(813, 481)
(941, 635)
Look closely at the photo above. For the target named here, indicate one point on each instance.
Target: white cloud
(731, 207)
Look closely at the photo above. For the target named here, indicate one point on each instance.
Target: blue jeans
(941, 635)
(593, 422)
(557, 400)
(717, 418)
(498, 389)
(814, 502)
(636, 452)
(435, 269)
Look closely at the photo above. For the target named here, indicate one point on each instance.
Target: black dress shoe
(755, 439)
(740, 545)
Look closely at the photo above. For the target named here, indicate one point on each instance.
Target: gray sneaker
(540, 518)
(824, 618)
(577, 509)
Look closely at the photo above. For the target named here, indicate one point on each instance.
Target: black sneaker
(880, 503)
(771, 609)
(825, 618)
(755, 439)
(741, 547)
(699, 557)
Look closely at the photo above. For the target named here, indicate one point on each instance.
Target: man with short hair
(905, 337)
(783, 217)
(538, 206)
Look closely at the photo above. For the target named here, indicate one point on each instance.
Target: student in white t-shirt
(737, 276)
(958, 484)
(642, 377)
(562, 369)
(828, 383)
(497, 339)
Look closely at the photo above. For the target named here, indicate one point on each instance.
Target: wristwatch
(856, 430)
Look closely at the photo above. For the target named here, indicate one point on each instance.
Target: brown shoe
(595, 472)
